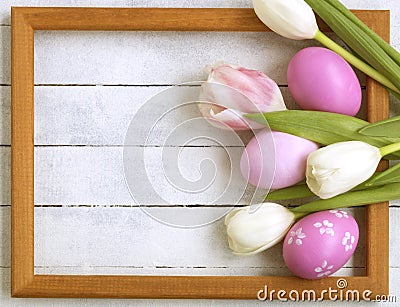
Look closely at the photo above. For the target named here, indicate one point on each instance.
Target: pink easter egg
(321, 80)
(275, 159)
(320, 244)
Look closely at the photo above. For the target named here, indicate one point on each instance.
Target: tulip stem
(374, 195)
(299, 215)
(388, 149)
(355, 61)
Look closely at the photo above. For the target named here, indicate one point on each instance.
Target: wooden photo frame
(25, 21)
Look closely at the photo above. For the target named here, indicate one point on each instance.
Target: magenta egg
(275, 159)
(320, 244)
(321, 80)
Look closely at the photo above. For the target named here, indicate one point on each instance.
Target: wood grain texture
(8, 301)
(377, 232)
(150, 19)
(25, 283)
(22, 158)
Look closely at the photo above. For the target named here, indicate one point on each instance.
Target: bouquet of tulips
(342, 172)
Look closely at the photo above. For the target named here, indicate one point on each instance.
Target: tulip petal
(266, 246)
(234, 119)
(255, 228)
(339, 167)
(239, 91)
(246, 90)
(293, 19)
(227, 118)
(230, 215)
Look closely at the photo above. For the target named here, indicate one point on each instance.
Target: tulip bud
(255, 228)
(242, 91)
(290, 18)
(337, 168)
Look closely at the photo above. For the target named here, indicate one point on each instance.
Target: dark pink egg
(321, 80)
(320, 244)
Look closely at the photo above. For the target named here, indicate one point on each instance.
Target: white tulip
(255, 228)
(290, 18)
(337, 168)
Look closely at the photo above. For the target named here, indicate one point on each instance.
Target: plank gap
(138, 145)
(178, 267)
(157, 206)
(129, 85)
(139, 206)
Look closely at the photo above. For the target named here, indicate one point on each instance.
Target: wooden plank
(89, 228)
(89, 115)
(79, 115)
(5, 115)
(48, 217)
(136, 57)
(92, 116)
(5, 231)
(182, 271)
(119, 56)
(76, 115)
(128, 237)
(5, 54)
(5, 237)
(95, 175)
(5, 175)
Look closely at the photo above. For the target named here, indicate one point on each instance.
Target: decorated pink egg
(320, 244)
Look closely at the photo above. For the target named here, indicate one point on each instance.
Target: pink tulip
(243, 91)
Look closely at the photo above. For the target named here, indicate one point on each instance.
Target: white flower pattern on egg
(325, 227)
(298, 234)
(345, 241)
(340, 213)
(324, 269)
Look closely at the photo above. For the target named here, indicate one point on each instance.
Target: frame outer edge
(26, 284)
(22, 153)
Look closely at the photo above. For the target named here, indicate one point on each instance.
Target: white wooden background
(88, 89)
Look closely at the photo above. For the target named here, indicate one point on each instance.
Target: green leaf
(302, 190)
(396, 95)
(352, 199)
(391, 175)
(321, 127)
(393, 53)
(385, 128)
(358, 40)
(293, 192)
